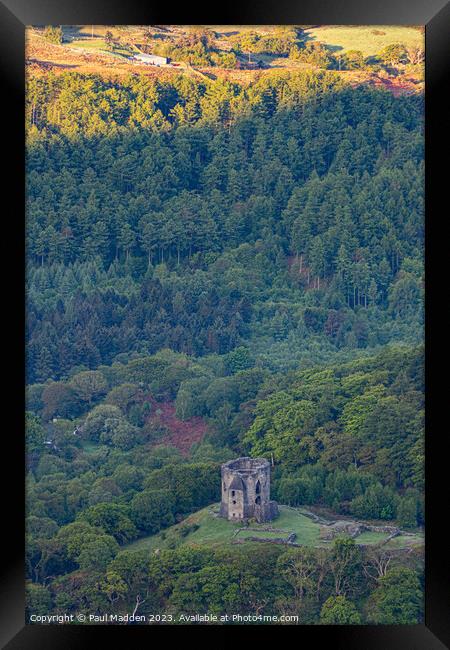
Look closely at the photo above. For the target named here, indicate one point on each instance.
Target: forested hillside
(218, 269)
(201, 217)
(348, 437)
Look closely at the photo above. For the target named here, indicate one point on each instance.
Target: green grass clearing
(261, 534)
(405, 541)
(215, 531)
(99, 45)
(370, 537)
(92, 44)
(362, 37)
(85, 32)
(212, 531)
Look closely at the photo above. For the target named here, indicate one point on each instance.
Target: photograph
(225, 324)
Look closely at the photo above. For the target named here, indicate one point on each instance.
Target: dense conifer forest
(247, 258)
(201, 218)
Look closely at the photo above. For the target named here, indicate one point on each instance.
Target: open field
(85, 51)
(98, 45)
(85, 56)
(90, 44)
(370, 537)
(206, 528)
(368, 39)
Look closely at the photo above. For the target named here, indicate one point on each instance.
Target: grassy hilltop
(206, 528)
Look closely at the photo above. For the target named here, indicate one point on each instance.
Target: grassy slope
(337, 38)
(370, 537)
(84, 51)
(405, 541)
(348, 37)
(214, 531)
(344, 37)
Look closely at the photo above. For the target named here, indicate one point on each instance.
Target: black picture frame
(435, 15)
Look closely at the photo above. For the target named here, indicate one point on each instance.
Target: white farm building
(152, 59)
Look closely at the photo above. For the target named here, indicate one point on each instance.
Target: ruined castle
(246, 490)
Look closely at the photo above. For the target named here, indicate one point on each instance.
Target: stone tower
(246, 490)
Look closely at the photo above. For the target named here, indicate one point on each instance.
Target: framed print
(229, 347)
